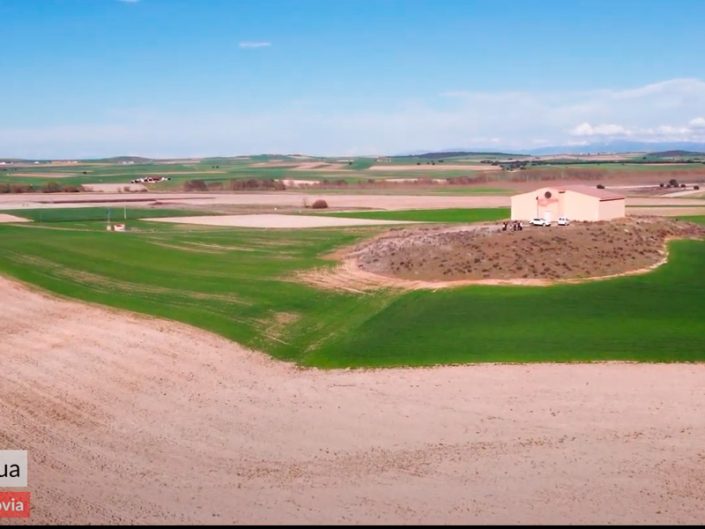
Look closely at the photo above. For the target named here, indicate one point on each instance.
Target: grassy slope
(239, 284)
(656, 317)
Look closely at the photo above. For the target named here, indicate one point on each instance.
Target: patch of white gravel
(276, 221)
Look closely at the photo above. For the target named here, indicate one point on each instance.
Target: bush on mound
(319, 204)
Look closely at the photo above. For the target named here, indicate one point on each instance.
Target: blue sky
(224, 77)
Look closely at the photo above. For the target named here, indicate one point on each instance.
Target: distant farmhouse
(577, 202)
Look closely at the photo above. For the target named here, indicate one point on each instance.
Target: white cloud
(697, 123)
(255, 44)
(609, 129)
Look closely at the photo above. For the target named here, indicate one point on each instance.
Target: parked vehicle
(537, 221)
(563, 221)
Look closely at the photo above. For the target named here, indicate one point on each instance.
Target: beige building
(577, 202)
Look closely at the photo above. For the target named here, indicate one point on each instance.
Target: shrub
(51, 187)
(600, 186)
(195, 185)
(21, 188)
(696, 188)
(319, 204)
(255, 183)
(215, 186)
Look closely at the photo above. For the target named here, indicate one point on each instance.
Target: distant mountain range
(653, 149)
(620, 146)
(453, 154)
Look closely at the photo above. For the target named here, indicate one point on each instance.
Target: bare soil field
(114, 188)
(130, 419)
(4, 217)
(301, 166)
(275, 221)
(44, 174)
(162, 173)
(664, 211)
(274, 164)
(352, 201)
(431, 257)
(588, 157)
(318, 166)
(437, 167)
(296, 200)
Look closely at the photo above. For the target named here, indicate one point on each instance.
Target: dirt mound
(581, 250)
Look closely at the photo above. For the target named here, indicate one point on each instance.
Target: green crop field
(107, 213)
(241, 284)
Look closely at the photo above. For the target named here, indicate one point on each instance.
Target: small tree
(319, 204)
(51, 187)
(195, 185)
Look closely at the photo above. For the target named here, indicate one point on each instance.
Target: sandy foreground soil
(134, 419)
(275, 221)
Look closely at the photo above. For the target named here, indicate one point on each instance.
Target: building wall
(612, 209)
(526, 206)
(572, 204)
(581, 207)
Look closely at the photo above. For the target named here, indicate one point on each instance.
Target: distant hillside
(676, 154)
(119, 159)
(620, 146)
(457, 154)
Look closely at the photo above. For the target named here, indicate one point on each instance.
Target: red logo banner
(14, 504)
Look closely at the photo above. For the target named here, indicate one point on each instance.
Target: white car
(563, 221)
(537, 221)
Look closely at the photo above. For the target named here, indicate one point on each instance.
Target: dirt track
(276, 221)
(4, 218)
(435, 167)
(133, 419)
(297, 200)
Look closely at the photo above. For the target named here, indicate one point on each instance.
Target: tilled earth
(580, 250)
